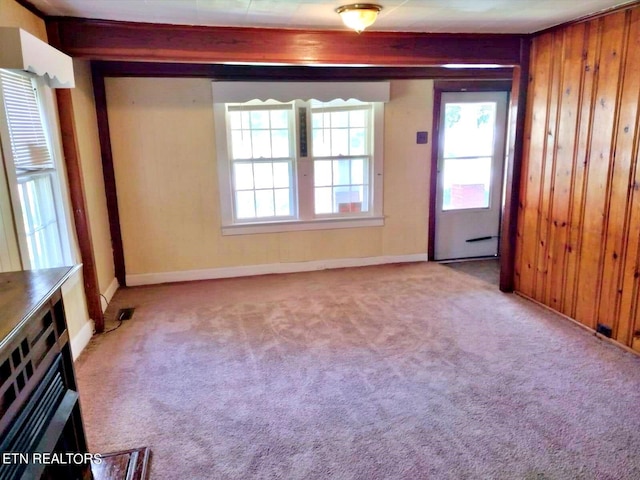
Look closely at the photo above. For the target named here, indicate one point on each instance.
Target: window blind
(26, 130)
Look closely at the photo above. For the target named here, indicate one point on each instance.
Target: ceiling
(452, 16)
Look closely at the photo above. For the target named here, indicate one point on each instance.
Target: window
(299, 164)
(341, 146)
(262, 161)
(30, 166)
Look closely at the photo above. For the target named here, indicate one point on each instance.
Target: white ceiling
(454, 16)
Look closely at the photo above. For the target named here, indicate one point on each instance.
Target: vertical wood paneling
(584, 131)
(548, 167)
(599, 163)
(565, 144)
(533, 168)
(628, 145)
(621, 174)
(578, 242)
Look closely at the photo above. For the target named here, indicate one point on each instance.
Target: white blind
(26, 131)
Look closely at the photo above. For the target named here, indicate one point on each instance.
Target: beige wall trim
(109, 293)
(249, 270)
(81, 339)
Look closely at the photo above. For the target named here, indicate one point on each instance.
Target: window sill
(297, 225)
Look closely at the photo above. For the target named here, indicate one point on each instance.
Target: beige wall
(89, 148)
(80, 327)
(13, 14)
(162, 133)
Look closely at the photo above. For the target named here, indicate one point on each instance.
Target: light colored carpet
(485, 269)
(394, 372)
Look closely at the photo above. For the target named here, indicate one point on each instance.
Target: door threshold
(469, 259)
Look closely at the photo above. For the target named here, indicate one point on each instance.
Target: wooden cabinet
(39, 409)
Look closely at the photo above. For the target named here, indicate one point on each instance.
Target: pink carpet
(395, 372)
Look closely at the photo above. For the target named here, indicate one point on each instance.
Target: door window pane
(466, 183)
(469, 129)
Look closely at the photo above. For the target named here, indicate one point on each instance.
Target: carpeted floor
(394, 372)
(486, 269)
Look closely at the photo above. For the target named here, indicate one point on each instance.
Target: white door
(471, 157)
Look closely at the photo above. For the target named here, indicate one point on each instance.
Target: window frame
(14, 177)
(303, 169)
(253, 106)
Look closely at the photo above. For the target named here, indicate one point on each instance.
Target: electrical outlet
(125, 314)
(604, 330)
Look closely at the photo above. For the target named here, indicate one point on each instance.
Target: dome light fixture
(359, 16)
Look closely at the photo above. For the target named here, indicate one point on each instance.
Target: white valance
(22, 51)
(239, 92)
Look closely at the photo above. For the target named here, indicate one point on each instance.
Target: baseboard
(81, 339)
(250, 270)
(580, 325)
(109, 293)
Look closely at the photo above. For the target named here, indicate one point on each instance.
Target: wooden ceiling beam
(112, 40)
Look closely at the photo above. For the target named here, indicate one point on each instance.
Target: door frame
(510, 189)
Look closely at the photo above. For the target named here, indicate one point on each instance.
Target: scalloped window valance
(23, 51)
(239, 92)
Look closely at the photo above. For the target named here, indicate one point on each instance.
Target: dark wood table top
(24, 292)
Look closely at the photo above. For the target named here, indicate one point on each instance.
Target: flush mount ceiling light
(359, 16)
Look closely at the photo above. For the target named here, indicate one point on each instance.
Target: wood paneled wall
(578, 240)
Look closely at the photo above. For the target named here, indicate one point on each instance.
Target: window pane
(321, 143)
(235, 120)
(466, 183)
(357, 118)
(357, 171)
(358, 201)
(280, 143)
(240, 144)
(280, 119)
(245, 205)
(281, 174)
(283, 202)
(341, 174)
(357, 141)
(344, 197)
(323, 200)
(339, 119)
(317, 120)
(264, 203)
(364, 194)
(259, 119)
(339, 142)
(41, 223)
(243, 176)
(263, 175)
(261, 143)
(322, 173)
